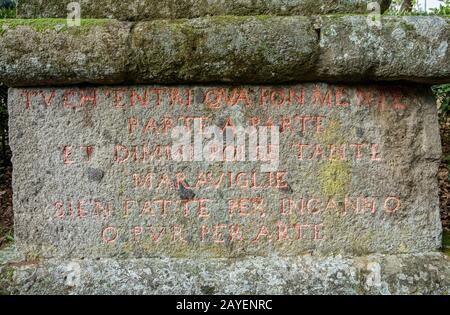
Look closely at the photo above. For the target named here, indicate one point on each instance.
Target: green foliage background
(442, 93)
(444, 8)
(7, 9)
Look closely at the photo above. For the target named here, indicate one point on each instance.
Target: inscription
(219, 98)
(130, 189)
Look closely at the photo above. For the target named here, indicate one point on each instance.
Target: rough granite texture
(32, 55)
(224, 49)
(405, 48)
(260, 49)
(401, 121)
(135, 10)
(427, 273)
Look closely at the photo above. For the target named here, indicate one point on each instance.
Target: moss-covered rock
(224, 49)
(404, 48)
(51, 24)
(47, 51)
(228, 49)
(174, 9)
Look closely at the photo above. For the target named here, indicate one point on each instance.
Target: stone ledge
(254, 50)
(39, 52)
(427, 273)
(174, 9)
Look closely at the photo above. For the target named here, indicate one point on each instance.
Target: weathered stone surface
(357, 172)
(244, 50)
(427, 273)
(224, 49)
(174, 9)
(48, 52)
(405, 48)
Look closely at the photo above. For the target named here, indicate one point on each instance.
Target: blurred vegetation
(8, 4)
(446, 243)
(444, 8)
(398, 7)
(7, 13)
(442, 93)
(7, 9)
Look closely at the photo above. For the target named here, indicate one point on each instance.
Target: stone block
(137, 10)
(98, 171)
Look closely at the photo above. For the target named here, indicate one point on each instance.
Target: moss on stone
(335, 178)
(407, 27)
(341, 15)
(50, 24)
(414, 13)
(134, 10)
(238, 18)
(333, 134)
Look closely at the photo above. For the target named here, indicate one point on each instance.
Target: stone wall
(225, 49)
(356, 174)
(132, 10)
(114, 191)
